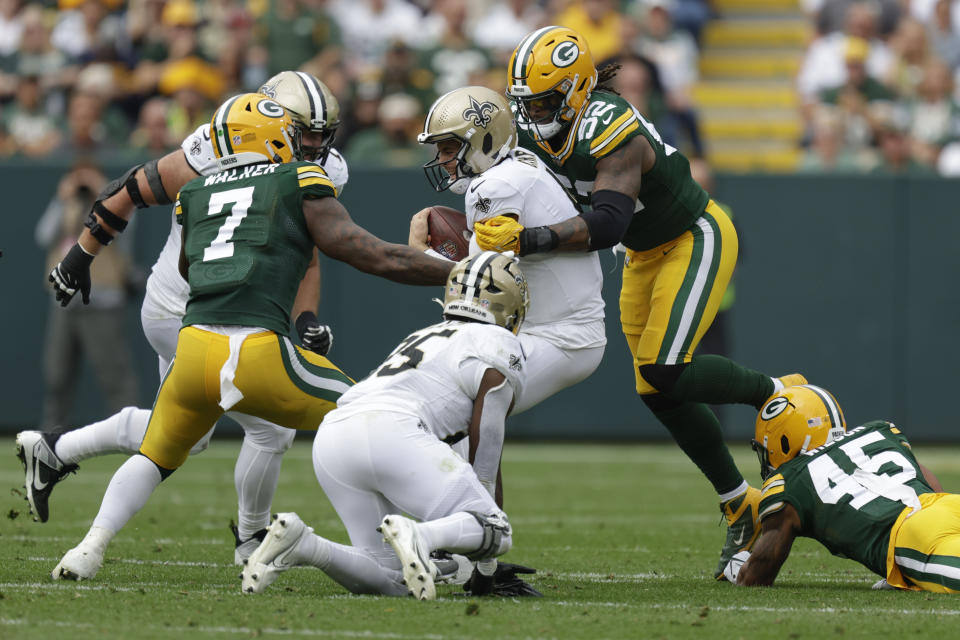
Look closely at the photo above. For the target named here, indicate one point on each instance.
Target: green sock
(717, 380)
(697, 430)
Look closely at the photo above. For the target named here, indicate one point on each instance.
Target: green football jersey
(670, 200)
(247, 242)
(849, 493)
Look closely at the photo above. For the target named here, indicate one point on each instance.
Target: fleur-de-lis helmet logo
(479, 112)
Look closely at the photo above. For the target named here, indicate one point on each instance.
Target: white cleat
(419, 571)
(84, 560)
(273, 556)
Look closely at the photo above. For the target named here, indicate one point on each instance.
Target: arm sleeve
(609, 219)
(487, 458)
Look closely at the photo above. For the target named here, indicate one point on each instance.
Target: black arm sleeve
(611, 215)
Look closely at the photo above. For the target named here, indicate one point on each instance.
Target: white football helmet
(312, 106)
(481, 120)
(487, 287)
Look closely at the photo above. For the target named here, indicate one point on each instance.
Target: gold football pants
(924, 552)
(280, 382)
(671, 293)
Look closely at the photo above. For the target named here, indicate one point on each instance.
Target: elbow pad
(611, 215)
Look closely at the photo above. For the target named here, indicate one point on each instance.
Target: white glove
(732, 570)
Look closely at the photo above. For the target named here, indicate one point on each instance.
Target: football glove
(314, 336)
(732, 570)
(72, 274)
(505, 582)
(499, 233)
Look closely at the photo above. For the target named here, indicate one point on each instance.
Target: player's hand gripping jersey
(247, 242)
(435, 373)
(850, 492)
(669, 200)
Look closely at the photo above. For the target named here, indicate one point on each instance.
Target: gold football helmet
(551, 75)
(487, 287)
(481, 120)
(795, 420)
(313, 106)
(251, 123)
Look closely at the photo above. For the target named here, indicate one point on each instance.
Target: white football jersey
(435, 373)
(165, 287)
(566, 304)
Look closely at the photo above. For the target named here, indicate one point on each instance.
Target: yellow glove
(500, 233)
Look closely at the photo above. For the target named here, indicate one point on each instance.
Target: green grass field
(625, 538)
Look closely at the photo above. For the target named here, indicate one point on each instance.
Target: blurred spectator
(856, 95)
(944, 32)
(823, 65)
(196, 87)
(233, 34)
(37, 57)
(86, 31)
(393, 142)
(153, 137)
(910, 53)
(294, 31)
(504, 24)
(455, 57)
(82, 331)
(829, 151)
(934, 114)
(600, 22)
(893, 139)
(638, 83)
(369, 26)
(402, 74)
(675, 55)
(832, 15)
(145, 29)
(32, 131)
(11, 27)
(691, 16)
(926, 11)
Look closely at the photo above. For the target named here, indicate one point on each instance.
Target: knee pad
(131, 426)
(497, 534)
(662, 377)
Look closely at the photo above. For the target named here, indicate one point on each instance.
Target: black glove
(72, 274)
(313, 336)
(504, 582)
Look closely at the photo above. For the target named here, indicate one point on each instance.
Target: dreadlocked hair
(605, 75)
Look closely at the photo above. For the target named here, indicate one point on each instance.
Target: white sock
(129, 489)
(356, 569)
(459, 532)
(255, 476)
(730, 495)
(120, 433)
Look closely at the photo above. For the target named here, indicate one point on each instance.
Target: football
(447, 228)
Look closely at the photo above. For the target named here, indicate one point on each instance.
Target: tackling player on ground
(680, 250)
(249, 232)
(860, 492)
(50, 457)
(386, 449)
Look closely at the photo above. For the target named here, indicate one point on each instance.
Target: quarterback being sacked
(563, 336)
(385, 450)
(49, 457)
(248, 236)
(681, 249)
(860, 492)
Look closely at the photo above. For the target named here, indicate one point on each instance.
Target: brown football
(446, 227)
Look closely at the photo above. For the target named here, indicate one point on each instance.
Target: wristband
(538, 240)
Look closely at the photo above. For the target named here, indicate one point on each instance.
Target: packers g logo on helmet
(312, 106)
(793, 421)
(564, 54)
(254, 128)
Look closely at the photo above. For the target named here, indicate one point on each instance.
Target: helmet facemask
(544, 115)
(316, 153)
(441, 179)
(313, 107)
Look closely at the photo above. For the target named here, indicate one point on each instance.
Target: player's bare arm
(771, 549)
(931, 479)
(338, 236)
(308, 294)
(487, 429)
(623, 169)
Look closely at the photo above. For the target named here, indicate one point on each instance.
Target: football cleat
(244, 548)
(43, 468)
(84, 560)
(743, 526)
(452, 568)
(274, 555)
(419, 571)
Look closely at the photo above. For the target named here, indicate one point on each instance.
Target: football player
(49, 457)
(860, 492)
(680, 250)
(249, 232)
(385, 449)
(477, 155)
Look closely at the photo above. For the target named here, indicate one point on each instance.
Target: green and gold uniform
(864, 497)
(248, 247)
